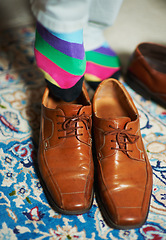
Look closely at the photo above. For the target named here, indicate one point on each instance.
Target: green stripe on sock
(104, 60)
(77, 66)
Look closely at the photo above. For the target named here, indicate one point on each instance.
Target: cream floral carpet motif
(24, 210)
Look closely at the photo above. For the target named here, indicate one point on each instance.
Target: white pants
(71, 15)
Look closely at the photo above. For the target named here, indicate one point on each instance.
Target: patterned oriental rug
(24, 210)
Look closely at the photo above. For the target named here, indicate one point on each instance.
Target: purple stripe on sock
(74, 50)
(106, 51)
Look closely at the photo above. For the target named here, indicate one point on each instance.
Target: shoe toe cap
(76, 202)
(126, 208)
(71, 197)
(129, 217)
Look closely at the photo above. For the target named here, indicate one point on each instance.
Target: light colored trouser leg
(61, 15)
(71, 15)
(102, 14)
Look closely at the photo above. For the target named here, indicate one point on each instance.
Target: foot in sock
(61, 57)
(101, 63)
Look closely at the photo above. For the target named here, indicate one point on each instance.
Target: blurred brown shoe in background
(146, 72)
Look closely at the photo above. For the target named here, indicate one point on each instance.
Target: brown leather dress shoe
(65, 157)
(124, 175)
(147, 71)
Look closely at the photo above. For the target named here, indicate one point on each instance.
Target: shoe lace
(70, 124)
(123, 137)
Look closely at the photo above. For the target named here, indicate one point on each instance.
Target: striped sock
(102, 63)
(61, 57)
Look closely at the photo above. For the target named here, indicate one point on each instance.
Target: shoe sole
(141, 89)
(56, 207)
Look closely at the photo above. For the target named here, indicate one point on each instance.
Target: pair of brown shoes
(123, 172)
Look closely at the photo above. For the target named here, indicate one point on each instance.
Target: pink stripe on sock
(64, 79)
(101, 72)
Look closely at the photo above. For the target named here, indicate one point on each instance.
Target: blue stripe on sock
(74, 37)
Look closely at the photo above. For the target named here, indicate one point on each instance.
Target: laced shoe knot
(70, 124)
(122, 137)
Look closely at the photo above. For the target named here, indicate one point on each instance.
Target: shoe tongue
(69, 109)
(120, 122)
